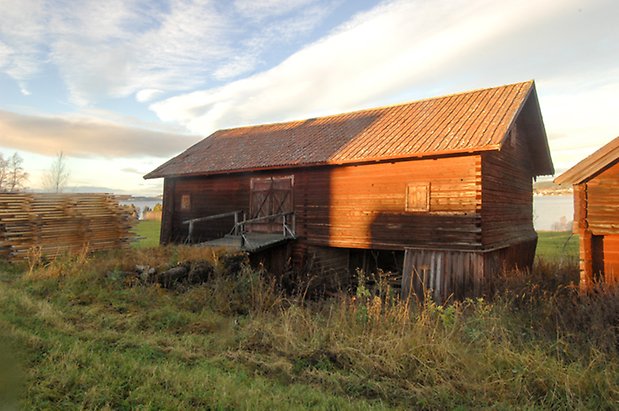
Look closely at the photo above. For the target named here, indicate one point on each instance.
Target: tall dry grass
(528, 345)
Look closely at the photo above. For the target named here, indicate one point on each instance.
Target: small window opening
(185, 202)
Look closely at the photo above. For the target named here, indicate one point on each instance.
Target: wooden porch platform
(251, 242)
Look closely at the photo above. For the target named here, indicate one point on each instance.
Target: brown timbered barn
(439, 190)
(596, 213)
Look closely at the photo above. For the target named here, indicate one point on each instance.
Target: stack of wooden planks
(57, 224)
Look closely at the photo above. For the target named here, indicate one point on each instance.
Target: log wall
(507, 192)
(365, 206)
(603, 202)
(360, 206)
(596, 220)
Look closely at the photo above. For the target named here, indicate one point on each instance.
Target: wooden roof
(591, 165)
(468, 122)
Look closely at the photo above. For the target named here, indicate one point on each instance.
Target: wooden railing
(234, 231)
(239, 227)
(288, 227)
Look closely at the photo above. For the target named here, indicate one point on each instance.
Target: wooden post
(166, 233)
(190, 232)
(586, 261)
(585, 243)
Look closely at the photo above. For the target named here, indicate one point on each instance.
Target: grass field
(148, 233)
(87, 333)
(557, 245)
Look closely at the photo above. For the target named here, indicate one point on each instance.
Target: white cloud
(265, 36)
(580, 118)
(406, 50)
(24, 90)
(118, 48)
(237, 66)
(124, 47)
(22, 32)
(5, 53)
(398, 51)
(372, 55)
(147, 94)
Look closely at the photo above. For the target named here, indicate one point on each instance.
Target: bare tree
(4, 170)
(17, 176)
(12, 174)
(58, 175)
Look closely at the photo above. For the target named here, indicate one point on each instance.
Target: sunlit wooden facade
(596, 214)
(446, 219)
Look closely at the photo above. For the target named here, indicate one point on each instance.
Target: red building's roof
(468, 122)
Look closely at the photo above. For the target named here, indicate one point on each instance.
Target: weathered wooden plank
(58, 223)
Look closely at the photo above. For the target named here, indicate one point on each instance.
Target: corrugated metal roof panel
(466, 122)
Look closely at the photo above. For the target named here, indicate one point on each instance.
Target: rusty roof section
(468, 122)
(591, 165)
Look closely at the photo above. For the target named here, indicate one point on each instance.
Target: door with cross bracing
(269, 196)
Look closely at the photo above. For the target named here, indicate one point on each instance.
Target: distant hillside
(548, 188)
(120, 194)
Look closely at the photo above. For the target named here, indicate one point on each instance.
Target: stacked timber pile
(58, 224)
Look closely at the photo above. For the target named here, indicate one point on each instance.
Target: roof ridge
(386, 106)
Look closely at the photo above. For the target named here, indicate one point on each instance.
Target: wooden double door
(269, 196)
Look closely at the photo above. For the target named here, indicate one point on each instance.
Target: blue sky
(121, 86)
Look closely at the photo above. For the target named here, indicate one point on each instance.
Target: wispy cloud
(22, 28)
(133, 170)
(118, 48)
(411, 49)
(259, 10)
(86, 137)
(121, 47)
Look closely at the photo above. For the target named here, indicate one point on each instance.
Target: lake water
(550, 213)
(141, 204)
(553, 213)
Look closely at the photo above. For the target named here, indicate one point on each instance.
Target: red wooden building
(596, 213)
(438, 189)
